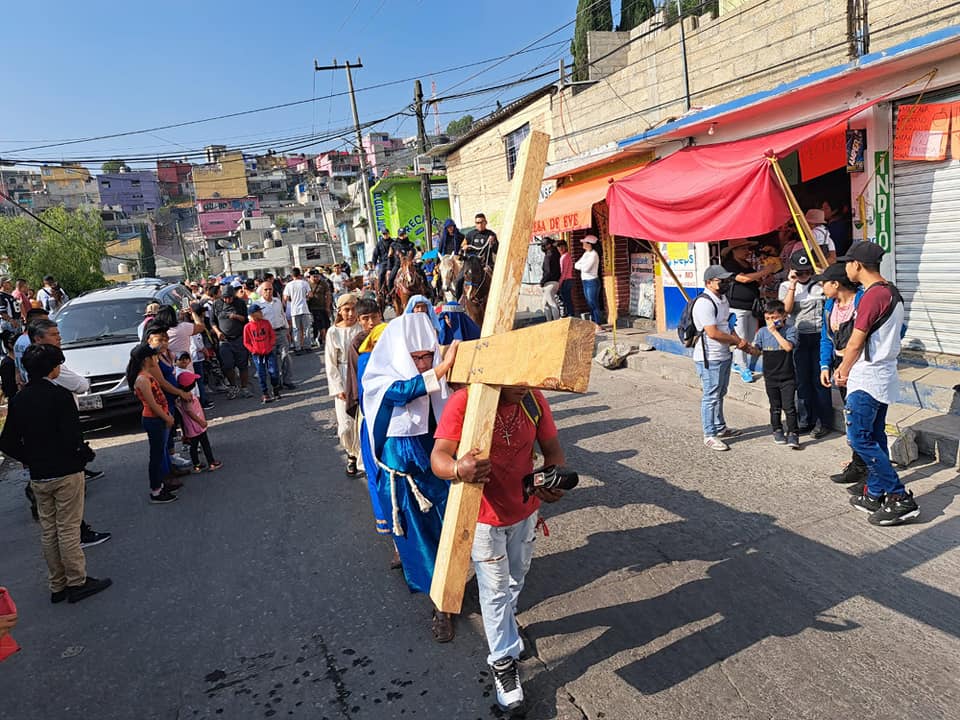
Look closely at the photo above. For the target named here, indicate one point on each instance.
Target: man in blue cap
(869, 372)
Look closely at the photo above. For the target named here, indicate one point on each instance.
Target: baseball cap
(186, 379)
(833, 273)
(229, 291)
(402, 231)
(716, 272)
(800, 262)
(254, 308)
(864, 252)
(236, 284)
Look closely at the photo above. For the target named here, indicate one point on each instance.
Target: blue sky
(75, 70)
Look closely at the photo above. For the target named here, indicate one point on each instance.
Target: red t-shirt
(873, 304)
(502, 502)
(259, 337)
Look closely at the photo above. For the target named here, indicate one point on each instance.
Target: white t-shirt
(588, 265)
(179, 336)
(704, 313)
(339, 280)
(295, 292)
(273, 313)
(821, 236)
(878, 376)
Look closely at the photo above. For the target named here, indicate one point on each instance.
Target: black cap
(800, 262)
(834, 273)
(401, 231)
(864, 252)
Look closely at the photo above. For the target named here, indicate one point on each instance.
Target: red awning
(571, 207)
(711, 192)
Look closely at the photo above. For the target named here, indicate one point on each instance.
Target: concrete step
(938, 433)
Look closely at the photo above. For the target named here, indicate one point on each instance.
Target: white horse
(450, 267)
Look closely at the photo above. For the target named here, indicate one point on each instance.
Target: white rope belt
(422, 501)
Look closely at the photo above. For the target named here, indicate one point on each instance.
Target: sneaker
(351, 466)
(819, 431)
(793, 441)
(245, 393)
(729, 432)
(896, 509)
(59, 596)
(506, 678)
(865, 502)
(93, 474)
(276, 392)
(858, 488)
(779, 438)
(266, 399)
(215, 465)
(746, 374)
(163, 497)
(91, 586)
(715, 444)
(90, 537)
(852, 473)
(232, 393)
(208, 405)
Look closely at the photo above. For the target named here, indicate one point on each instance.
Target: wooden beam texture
(463, 503)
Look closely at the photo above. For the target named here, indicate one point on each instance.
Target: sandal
(395, 562)
(352, 466)
(442, 626)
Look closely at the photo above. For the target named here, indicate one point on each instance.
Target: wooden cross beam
(536, 360)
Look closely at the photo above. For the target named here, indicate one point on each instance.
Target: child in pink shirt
(195, 425)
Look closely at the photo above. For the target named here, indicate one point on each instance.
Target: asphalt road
(675, 583)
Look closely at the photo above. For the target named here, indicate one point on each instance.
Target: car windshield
(100, 323)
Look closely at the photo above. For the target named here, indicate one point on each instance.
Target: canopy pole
(663, 261)
(817, 258)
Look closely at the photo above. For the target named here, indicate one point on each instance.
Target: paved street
(675, 583)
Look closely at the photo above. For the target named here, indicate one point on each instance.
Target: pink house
(219, 216)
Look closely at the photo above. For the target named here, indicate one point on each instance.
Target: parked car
(99, 328)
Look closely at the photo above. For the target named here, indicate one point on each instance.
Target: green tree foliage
(281, 222)
(113, 166)
(459, 126)
(591, 15)
(634, 12)
(148, 259)
(31, 250)
(694, 8)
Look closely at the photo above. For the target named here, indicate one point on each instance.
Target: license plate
(91, 402)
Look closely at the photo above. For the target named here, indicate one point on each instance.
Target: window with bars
(512, 143)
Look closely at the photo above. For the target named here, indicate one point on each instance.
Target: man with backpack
(869, 372)
(705, 326)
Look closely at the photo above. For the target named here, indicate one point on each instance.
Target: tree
(113, 166)
(694, 8)
(281, 222)
(72, 253)
(634, 12)
(591, 15)
(459, 126)
(148, 259)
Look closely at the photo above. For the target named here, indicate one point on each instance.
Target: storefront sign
(922, 132)
(856, 145)
(682, 261)
(641, 284)
(824, 153)
(883, 216)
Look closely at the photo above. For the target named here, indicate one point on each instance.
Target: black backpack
(687, 329)
(896, 299)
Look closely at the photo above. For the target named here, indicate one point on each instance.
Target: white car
(99, 329)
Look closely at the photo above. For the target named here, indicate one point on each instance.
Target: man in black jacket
(550, 280)
(42, 431)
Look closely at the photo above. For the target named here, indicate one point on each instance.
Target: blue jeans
(157, 436)
(591, 290)
(814, 401)
(866, 421)
(715, 381)
(501, 557)
(266, 365)
(198, 367)
(566, 297)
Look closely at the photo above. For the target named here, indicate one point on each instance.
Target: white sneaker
(715, 444)
(506, 678)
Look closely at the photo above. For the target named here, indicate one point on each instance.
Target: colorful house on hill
(396, 204)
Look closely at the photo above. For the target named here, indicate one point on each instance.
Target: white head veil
(389, 362)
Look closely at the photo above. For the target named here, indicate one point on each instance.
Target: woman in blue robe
(404, 392)
(455, 324)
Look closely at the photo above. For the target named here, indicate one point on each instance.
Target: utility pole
(424, 177)
(364, 180)
(683, 55)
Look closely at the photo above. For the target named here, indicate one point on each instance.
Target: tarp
(571, 207)
(711, 192)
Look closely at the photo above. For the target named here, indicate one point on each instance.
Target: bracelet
(456, 470)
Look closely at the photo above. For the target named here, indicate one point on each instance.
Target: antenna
(436, 108)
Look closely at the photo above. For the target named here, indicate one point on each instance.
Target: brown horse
(476, 288)
(409, 281)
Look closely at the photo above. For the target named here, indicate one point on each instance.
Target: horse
(408, 281)
(450, 267)
(476, 288)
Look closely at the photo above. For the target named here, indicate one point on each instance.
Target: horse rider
(402, 247)
(381, 255)
(450, 238)
(481, 242)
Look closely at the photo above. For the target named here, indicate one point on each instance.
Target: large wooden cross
(553, 356)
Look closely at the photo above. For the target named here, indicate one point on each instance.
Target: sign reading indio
(882, 210)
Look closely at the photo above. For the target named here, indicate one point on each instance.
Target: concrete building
(135, 192)
(337, 164)
(387, 155)
(175, 178)
(219, 217)
(21, 185)
(69, 185)
(223, 177)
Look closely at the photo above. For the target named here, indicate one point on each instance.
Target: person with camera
(506, 526)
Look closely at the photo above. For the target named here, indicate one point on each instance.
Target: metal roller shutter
(926, 215)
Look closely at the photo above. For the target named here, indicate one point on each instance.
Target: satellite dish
(226, 244)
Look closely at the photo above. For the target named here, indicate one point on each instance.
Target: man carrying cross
(503, 545)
